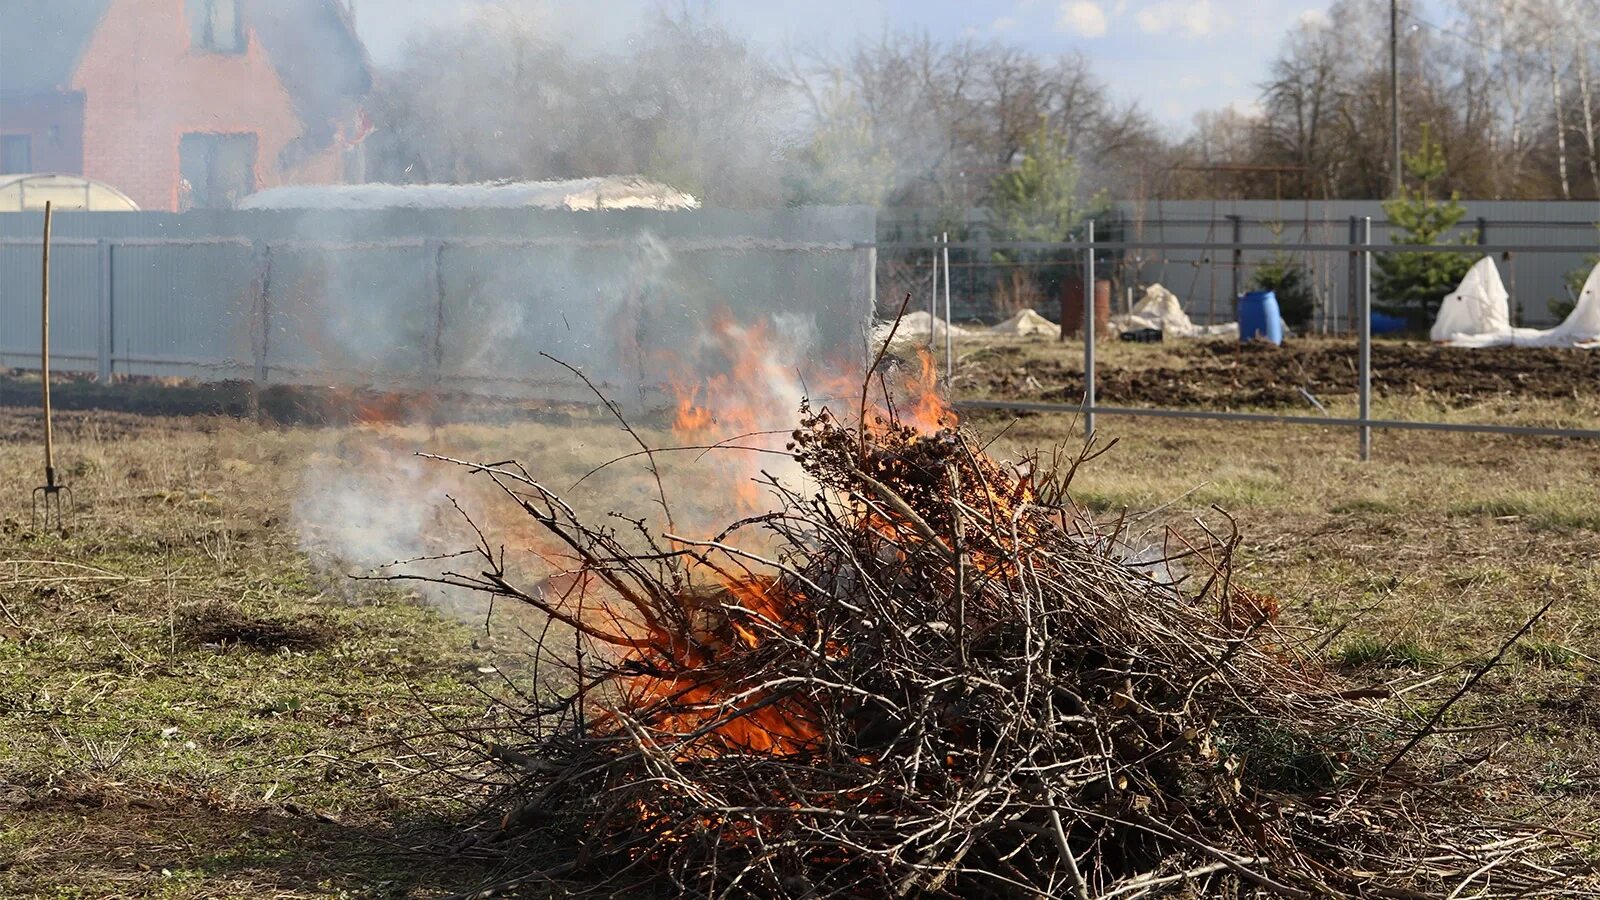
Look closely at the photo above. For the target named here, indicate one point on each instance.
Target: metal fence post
(434, 250)
(868, 260)
(1365, 331)
(106, 343)
(1352, 294)
(1238, 260)
(1088, 337)
(259, 332)
(864, 274)
(949, 340)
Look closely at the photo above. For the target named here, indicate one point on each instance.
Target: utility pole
(1394, 90)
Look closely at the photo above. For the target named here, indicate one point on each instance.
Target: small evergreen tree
(1037, 200)
(1413, 284)
(1286, 279)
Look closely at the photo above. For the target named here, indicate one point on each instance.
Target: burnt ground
(1225, 374)
(141, 400)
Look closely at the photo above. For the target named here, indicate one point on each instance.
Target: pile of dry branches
(939, 681)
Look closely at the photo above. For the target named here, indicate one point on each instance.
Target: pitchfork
(48, 496)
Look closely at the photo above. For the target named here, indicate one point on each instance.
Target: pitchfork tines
(48, 502)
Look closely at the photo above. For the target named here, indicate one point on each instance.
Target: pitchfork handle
(44, 351)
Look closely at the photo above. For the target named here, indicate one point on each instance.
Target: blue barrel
(1259, 318)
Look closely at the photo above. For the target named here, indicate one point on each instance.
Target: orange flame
(928, 411)
(743, 382)
(740, 381)
(700, 704)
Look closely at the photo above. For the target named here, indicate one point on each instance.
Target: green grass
(1370, 651)
(1547, 654)
(1544, 510)
(1368, 506)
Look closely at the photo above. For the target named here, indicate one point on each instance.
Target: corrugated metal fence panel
(74, 306)
(352, 316)
(628, 317)
(182, 310)
(414, 300)
(510, 303)
(1204, 280)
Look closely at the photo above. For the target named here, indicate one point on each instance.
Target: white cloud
(1084, 18)
(1003, 24)
(1314, 18)
(1191, 18)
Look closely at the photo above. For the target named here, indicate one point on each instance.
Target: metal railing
(1361, 251)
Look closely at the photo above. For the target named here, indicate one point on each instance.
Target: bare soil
(1225, 374)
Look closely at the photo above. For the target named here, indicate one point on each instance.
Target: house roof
(578, 195)
(41, 41)
(320, 59)
(312, 44)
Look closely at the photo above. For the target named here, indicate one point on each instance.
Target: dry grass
(185, 703)
(1434, 552)
(1427, 557)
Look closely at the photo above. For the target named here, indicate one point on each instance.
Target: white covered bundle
(1161, 310)
(1478, 314)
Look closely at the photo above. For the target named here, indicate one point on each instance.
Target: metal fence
(1357, 256)
(450, 302)
(1208, 252)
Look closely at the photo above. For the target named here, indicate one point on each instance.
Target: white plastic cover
(1479, 306)
(1027, 323)
(1580, 329)
(917, 326)
(1582, 326)
(1160, 309)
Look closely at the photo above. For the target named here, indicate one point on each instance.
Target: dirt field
(1227, 375)
(192, 706)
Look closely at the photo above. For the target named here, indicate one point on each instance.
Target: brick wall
(144, 88)
(54, 122)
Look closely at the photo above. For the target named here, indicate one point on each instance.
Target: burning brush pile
(935, 679)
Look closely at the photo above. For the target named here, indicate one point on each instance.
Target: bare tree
(501, 96)
(955, 115)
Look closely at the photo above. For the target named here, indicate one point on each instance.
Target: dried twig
(813, 704)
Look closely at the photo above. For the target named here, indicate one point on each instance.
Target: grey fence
(1210, 272)
(1567, 233)
(1359, 251)
(423, 301)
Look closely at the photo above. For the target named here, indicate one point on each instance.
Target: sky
(1174, 57)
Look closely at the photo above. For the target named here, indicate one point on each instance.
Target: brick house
(183, 103)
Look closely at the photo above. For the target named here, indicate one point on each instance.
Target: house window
(216, 170)
(215, 26)
(16, 154)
